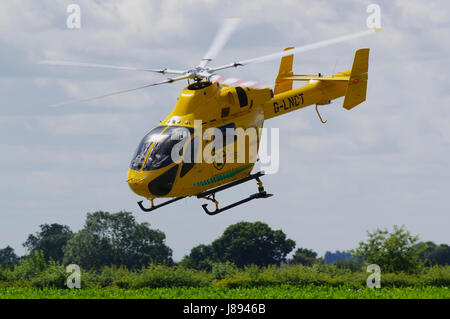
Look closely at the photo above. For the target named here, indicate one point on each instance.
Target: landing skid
(211, 196)
(157, 206)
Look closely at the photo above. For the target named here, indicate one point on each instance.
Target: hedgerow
(35, 272)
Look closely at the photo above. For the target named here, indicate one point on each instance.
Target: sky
(384, 163)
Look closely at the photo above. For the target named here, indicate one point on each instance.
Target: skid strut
(211, 194)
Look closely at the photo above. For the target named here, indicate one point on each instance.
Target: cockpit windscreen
(161, 153)
(144, 146)
(157, 147)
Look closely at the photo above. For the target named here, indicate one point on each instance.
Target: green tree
(441, 255)
(8, 257)
(30, 266)
(256, 243)
(433, 254)
(51, 241)
(116, 239)
(393, 252)
(332, 258)
(304, 256)
(352, 265)
(201, 257)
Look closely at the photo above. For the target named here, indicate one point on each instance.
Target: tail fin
(357, 84)
(281, 84)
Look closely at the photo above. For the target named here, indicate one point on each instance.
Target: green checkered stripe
(221, 177)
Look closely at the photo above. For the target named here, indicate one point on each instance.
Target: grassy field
(276, 292)
(38, 280)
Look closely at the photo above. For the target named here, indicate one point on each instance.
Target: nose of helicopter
(151, 184)
(138, 182)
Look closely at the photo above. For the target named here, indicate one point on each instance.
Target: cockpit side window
(228, 136)
(190, 156)
(228, 133)
(144, 146)
(161, 153)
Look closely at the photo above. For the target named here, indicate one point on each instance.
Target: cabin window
(162, 185)
(189, 156)
(242, 96)
(228, 135)
(160, 154)
(144, 147)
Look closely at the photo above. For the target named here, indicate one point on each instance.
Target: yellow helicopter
(168, 162)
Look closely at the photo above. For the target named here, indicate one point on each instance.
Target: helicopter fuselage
(154, 173)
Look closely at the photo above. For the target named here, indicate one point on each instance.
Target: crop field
(276, 292)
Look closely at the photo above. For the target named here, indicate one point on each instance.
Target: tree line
(119, 240)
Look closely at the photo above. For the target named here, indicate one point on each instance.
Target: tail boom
(322, 90)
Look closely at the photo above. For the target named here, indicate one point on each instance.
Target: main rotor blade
(106, 66)
(121, 92)
(221, 38)
(299, 49)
